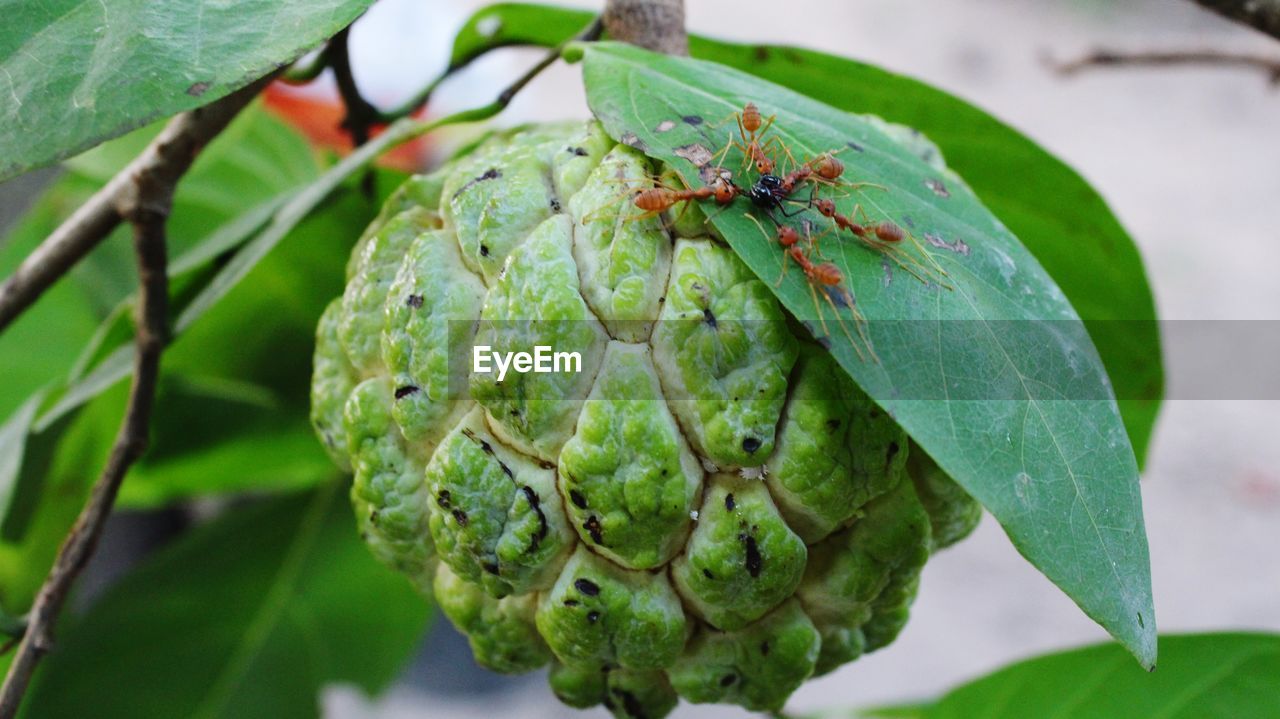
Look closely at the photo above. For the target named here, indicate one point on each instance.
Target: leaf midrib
(274, 608)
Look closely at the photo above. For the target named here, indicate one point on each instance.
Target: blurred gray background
(1189, 160)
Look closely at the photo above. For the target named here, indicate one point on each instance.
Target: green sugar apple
(700, 504)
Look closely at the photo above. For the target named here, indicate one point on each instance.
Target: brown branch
(141, 194)
(657, 25)
(145, 204)
(1169, 58)
(1261, 15)
(165, 160)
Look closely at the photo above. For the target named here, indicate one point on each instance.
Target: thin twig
(1168, 58)
(361, 115)
(1261, 15)
(167, 158)
(147, 208)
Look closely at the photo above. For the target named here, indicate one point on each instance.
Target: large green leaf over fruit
(1076, 236)
(994, 375)
(76, 72)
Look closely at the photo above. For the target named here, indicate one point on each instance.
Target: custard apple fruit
(703, 505)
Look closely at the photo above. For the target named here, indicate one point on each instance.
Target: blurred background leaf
(247, 616)
(59, 64)
(1200, 676)
(232, 409)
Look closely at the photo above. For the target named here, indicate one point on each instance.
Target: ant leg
(857, 347)
(724, 153)
(791, 160)
(767, 124)
(788, 215)
(822, 319)
(736, 115)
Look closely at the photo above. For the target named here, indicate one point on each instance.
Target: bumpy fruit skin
(709, 508)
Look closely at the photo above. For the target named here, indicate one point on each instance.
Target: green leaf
(76, 72)
(245, 617)
(1229, 675)
(510, 24)
(13, 441)
(1046, 204)
(1074, 235)
(232, 191)
(995, 377)
(59, 466)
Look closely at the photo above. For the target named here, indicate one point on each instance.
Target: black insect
(767, 193)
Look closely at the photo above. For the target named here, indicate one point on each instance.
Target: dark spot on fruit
(630, 704)
(753, 557)
(461, 517)
(492, 173)
(555, 205)
(578, 151)
(709, 317)
(414, 301)
(750, 444)
(578, 500)
(693, 120)
(729, 504)
(484, 446)
(593, 616)
(587, 587)
(707, 573)
(536, 505)
(484, 250)
(592, 525)
(571, 602)
(728, 680)
(405, 391)
(444, 499)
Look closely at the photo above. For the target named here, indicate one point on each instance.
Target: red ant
(825, 275)
(829, 277)
(751, 128)
(660, 199)
(885, 237)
